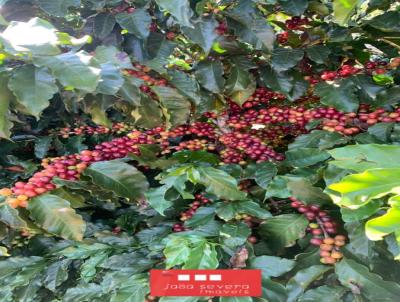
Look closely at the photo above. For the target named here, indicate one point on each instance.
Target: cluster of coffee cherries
(262, 95)
(323, 229)
(70, 167)
(144, 73)
(330, 118)
(241, 145)
(222, 28)
(116, 128)
(200, 200)
(296, 23)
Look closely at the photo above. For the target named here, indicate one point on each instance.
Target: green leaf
(234, 235)
(176, 108)
(219, 183)
(58, 8)
(55, 215)
(357, 190)
(318, 139)
(42, 146)
(359, 243)
(344, 9)
(324, 293)
(303, 190)
(210, 76)
(186, 85)
(35, 37)
(349, 215)
(262, 173)
(156, 198)
(177, 251)
(180, 10)
(33, 88)
(103, 25)
(88, 268)
(202, 256)
(318, 53)
(111, 54)
(240, 85)
(75, 70)
(5, 98)
(387, 22)
(56, 274)
(372, 286)
(83, 293)
(137, 22)
(202, 33)
(203, 216)
(272, 266)
(295, 8)
(130, 92)
(235, 299)
(304, 157)
(300, 282)
(285, 58)
(363, 157)
(121, 178)
(283, 230)
(249, 26)
(111, 79)
(291, 83)
(10, 217)
(339, 94)
(381, 226)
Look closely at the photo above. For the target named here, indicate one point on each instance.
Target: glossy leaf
(119, 177)
(137, 22)
(33, 88)
(56, 216)
(58, 8)
(340, 95)
(272, 266)
(283, 230)
(180, 10)
(358, 189)
(76, 70)
(371, 286)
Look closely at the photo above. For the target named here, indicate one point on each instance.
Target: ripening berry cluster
(200, 200)
(117, 128)
(323, 229)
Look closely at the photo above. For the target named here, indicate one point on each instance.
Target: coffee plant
(199, 134)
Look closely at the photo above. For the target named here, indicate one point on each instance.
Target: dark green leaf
(179, 9)
(324, 293)
(33, 88)
(203, 33)
(176, 107)
(209, 75)
(300, 282)
(295, 8)
(137, 22)
(234, 235)
(103, 25)
(340, 95)
(58, 8)
(42, 145)
(372, 286)
(285, 58)
(304, 157)
(318, 53)
(283, 230)
(119, 177)
(74, 70)
(56, 216)
(240, 85)
(272, 266)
